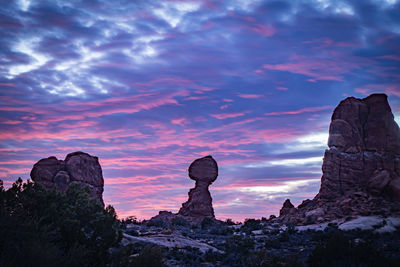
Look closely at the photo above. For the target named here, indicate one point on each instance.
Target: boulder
(287, 208)
(77, 168)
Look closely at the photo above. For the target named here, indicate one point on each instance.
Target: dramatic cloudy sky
(149, 86)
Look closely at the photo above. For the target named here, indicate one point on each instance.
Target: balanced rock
(204, 171)
(361, 168)
(78, 167)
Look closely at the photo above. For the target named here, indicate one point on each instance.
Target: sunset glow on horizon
(149, 86)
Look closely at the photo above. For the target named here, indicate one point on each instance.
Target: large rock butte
(78, 167)
(361, 168)
(199, 206)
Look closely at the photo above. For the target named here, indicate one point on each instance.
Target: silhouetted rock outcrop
(287, 208)
(364, 154)
(204, 171)
(361, 168)
(199, 206)
(78, 167)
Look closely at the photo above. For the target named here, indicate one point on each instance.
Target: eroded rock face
(364, 146)
(287, 208)
(78, 167)
(204, 171)
(361, 170)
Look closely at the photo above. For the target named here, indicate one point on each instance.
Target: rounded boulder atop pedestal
(204, 170)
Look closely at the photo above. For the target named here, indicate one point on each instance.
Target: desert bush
(149, 256)
(220, 229)
(206, 223)
(157, 223)
(239, 244)
(284, 236)
(179, 221)
(273, 243)
(340, 251)
(41, 227)
(129, 220)
(251, 225)
(230, 222)
(212, 256)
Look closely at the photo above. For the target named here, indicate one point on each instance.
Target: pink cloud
(7, 84)
(330, 68)
(391, 57)
(390, 89)
(223, 116)
(250, 96)
(299, 111)
(263, 30)
(180, 121)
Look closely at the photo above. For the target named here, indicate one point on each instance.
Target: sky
(149, 86)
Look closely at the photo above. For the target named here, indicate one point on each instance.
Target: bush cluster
(41, 227)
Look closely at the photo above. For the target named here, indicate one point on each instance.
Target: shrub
(273, 243)
(149, 256)
(206, 223)
(239, 245)
(220, 230)
(251, 225)
(41, 227)
(230, 222)
(157, 223)
(179, 221)
(340, 251)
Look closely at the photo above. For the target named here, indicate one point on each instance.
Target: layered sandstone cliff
(361, 168)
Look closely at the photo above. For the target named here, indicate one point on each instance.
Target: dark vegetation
(270, 246)
(46, 228)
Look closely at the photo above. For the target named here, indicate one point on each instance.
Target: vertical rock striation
(78, 167)
(361, 168)
(364, 150)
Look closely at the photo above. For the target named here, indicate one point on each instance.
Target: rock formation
(204, 171)
(361, 168)
(78, 167)
(199, 206)
(287, 208)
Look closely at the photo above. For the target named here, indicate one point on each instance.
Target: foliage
(340, 251)
(239, 245)
(179, 221)
(251, 225)
(47, 228)
(230, 222)
(207, 222)
(129, 220)
(149, 256)
(220, 229)
(157, 223)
